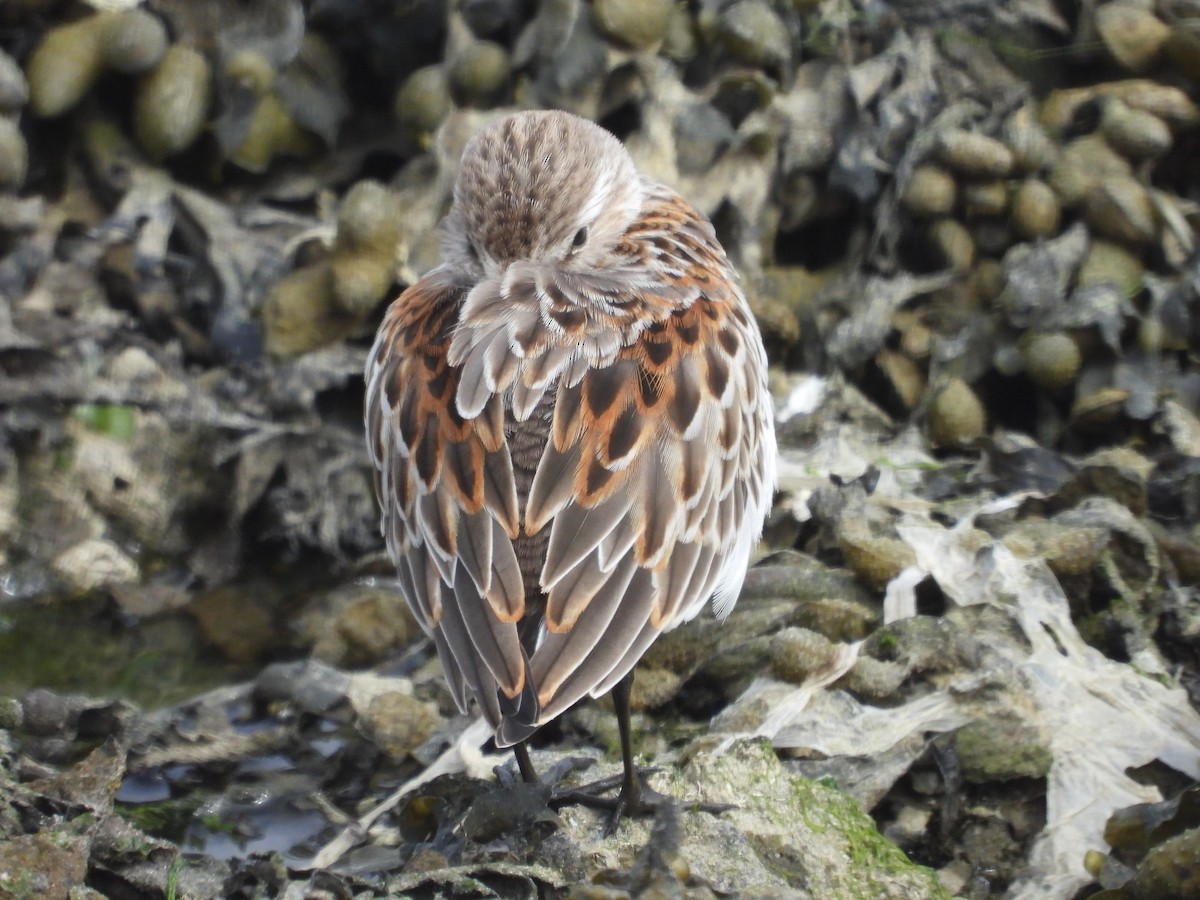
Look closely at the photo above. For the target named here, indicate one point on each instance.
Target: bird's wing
(445, 483)
(659, 465)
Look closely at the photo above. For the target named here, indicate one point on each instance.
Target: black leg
(636, 798)
(524, 763)
(630, 800)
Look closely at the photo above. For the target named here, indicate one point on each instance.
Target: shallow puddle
(81, 646)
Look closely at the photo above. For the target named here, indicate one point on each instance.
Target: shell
(1032, 147)
(1170, 104)
(905, 376)
(1084, 163)
(364, 253)
(131, 41)
(299, 314)
(1099, 409)
(953, 244)
(985, 198)
(1036, 211)
(63, 66)
(956, 416)
(1109, 263)
(1183, 50)
(1120, 208)
(640, 24)
(679, 38)
(479, 74)
(172, 102)
(975, 155)
(1132, 33)
(752, 33)
(930, 192)
(251, 70)
(272, 132)
(423, 101)
(1134, 132)
(1051, 359)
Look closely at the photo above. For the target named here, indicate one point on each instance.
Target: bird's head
(542, 186)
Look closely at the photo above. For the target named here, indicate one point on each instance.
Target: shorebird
(571, 427)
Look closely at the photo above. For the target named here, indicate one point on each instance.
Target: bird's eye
(581, 237)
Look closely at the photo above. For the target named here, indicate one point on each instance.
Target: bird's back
(571, 459)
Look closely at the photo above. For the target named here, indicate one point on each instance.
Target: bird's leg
(524, 763)
(529, 774)
(636, 798)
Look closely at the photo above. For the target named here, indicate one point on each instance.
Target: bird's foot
(635, 799)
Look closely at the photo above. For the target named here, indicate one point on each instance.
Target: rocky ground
(967, 662)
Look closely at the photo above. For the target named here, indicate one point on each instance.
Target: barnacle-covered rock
(1069, 550)
(875, 557)
(14, 155)
(397, 722)
(173, 102)
(796, 653)
(956, 416)
(874, 679)
(930, 191)
(640, 24)
(1001, 749)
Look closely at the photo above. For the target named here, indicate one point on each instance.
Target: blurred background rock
(977, 221)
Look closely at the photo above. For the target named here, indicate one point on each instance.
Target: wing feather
(448, 488)
(585, 670)
(496, 642)
(578, 530)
